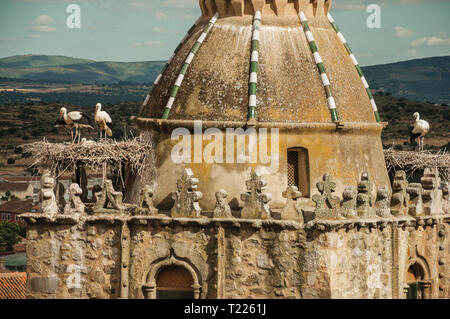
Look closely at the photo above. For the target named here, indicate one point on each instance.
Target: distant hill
(421, 80)
(66, 69)
(39, 61)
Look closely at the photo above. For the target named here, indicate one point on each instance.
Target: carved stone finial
(108, 200)
(415, 199)
(47, 196)
(292, 209)
(431, 194)
(326, 204)
(255, 201)
(400, 198)
(348, 206)
(146, 205)
(222, 209)
(382, 203)
(186, 197)
(75, 204)
(365, 199)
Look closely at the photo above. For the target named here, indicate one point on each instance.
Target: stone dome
(289, 85)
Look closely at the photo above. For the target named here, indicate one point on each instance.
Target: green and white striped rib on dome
(185, 67)
(147, 98)
(254, 66)
(320, 66)
(355, 62)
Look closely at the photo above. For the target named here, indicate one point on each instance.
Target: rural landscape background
(34, 87)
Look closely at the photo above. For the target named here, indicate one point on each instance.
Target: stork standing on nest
(420, 129)
(102, 119)
(73, 120)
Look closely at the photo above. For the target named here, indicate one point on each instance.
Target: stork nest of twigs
(411, 161)
(62, 158)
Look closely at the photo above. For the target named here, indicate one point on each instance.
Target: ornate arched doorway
(417, 285)
(174, 282)
(172, 279)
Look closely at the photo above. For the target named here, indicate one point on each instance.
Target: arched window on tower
(174, 282)
(298, 169)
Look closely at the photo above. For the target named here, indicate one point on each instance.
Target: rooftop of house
(13, 285)
(13, 186)
(18, 206)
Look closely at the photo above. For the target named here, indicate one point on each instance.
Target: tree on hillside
(8, 196)
(9, 235)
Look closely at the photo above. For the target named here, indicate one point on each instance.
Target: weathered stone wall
(58, 252)
(263, 263)
(354, 263)
(360, 247)
(237, 258)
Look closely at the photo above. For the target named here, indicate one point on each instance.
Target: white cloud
(43, 23)
(147, 44)
(43, 28)
(430, 41)
(43, 19)
(412, 52)
(401, 32)
(162, 30)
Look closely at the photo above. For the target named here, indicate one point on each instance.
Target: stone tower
(317, 221)
(281, 66)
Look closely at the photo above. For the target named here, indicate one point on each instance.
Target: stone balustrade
(361, 205)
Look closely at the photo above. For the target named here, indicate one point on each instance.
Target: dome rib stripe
(185, 67)
(147, 98)
(358, 69)
(254, 64)
(323, 74)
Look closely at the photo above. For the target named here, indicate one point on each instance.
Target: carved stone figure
(400, 198)
(431, 194)
(47, 196)
(186, 197)
(292, 209)
(348, 206)
(382, 203)
(146, 205)
(446, 199)
(255, 201)
(415, 199)
(326, 204)
(365, 200)
(75, 204)
(222, 209)
(108, 200)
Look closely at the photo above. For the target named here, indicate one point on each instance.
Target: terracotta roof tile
(18, 206)
(13, 187)
(13, 285)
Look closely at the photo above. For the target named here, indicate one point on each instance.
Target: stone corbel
(301, 5)
(258, 5)
(318, 7)
(280, 6)
(238, 7)
(221, 6)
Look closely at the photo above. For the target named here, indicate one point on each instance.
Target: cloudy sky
(144, 30)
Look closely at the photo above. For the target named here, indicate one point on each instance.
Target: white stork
(73, 120)
(102, 119)
(421, 128)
